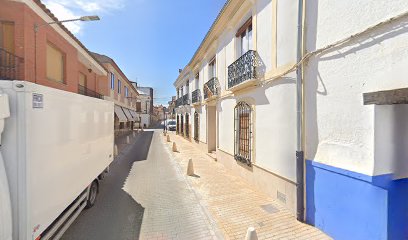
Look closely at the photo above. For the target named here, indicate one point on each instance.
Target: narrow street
(144, 196)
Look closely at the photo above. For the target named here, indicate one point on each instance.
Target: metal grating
(187, 127)
(243, 133)
(196, 126)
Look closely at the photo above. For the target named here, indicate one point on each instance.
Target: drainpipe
(300, 160)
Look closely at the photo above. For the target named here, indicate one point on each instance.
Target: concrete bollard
(127, 139)
(168, 138)
(251, 234)
(115, 150)
(190, 167)
(133, 133)
(164, 134)
(174, 147)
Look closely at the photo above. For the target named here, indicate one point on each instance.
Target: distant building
(121, 92)
(158, 113)
(144, 106)
(171, 109)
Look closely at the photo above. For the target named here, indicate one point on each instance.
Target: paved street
(145, 196)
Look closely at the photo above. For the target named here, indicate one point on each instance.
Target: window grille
(243, 133)
(187, 126)
(182, 125)
(177, 124)
(196, 126)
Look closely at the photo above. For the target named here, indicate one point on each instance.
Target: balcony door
(212, 69)
(7, 36)
(82, 83)
(244, 35)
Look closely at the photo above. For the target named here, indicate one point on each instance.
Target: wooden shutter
(55, 64)
(82, 79)
(7, 36)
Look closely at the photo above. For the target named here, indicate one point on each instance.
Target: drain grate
(269, 208)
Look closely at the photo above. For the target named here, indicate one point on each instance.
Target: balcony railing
(184, 100)
(179, 102)
(196, 96)
(10, 66)
(243, 69)
(211, 88)
(87, 92)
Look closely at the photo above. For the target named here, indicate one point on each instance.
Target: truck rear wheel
(93, 192)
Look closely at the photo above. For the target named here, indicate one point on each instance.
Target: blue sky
(149, 39)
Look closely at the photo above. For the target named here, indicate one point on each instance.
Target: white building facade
(143, 108)
(227, 104)
(248, 100)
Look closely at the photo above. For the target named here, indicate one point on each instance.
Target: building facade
(227, 104)
(356, 155)
(145, 106)
(122, 93)
(261, 93)
(46, 54)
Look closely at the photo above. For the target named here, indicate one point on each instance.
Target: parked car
(171, 125)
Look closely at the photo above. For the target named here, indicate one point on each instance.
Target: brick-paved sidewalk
(234, 204)
(171, 207)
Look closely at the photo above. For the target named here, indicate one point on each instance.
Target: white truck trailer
(54, 148)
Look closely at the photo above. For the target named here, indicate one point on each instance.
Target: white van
(55, 146)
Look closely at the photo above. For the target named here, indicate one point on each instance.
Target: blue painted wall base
(349, 205)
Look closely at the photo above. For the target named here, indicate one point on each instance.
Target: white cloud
(69, 9)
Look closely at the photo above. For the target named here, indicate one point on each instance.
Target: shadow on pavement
(115, 215)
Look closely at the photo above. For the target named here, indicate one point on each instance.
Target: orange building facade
(46, 54)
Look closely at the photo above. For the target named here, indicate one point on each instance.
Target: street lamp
(37, 27)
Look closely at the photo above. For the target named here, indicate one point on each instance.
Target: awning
(135, 116)
(128, 115)
(120, 114)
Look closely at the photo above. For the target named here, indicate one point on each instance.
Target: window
(112, 80)
(187, 127)
(196, 126)
(138, 107)
(126, 92)
(197, 80)
(212, 69)
(7, 36)
(119, 86)
(55, 64)
(243, 132)
(82, 80)
(244, 35)
(147, 104)
(187, 86)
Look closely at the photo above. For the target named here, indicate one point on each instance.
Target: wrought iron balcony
(179, 102)
(243, 69)
(196, 96)
(10, 66)
(87, 92)
(186, 99)
(211, 88)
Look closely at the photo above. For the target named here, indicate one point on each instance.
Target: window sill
(58, 82)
